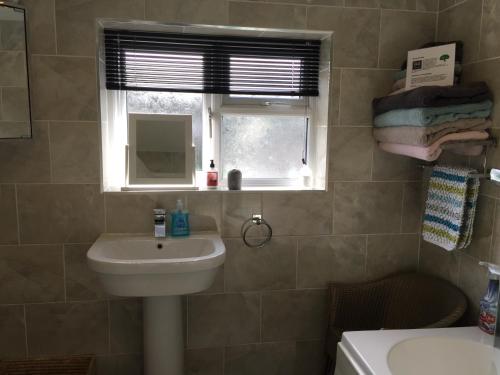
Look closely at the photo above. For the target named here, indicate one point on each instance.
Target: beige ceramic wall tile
(81, 282)
(12, 327)
(451, 27)
(125, 326)
(479, 248)
(363, 208)
(473, 280)
(351, 152)
(428, 5)
(41, 26)
(26, 160)
(188, 11)
(310, 358)
(15, 104)
(422, 5)
(63, 88)
(403, 31)
(439, 262)
(309, 2)
(31, 274)
(335, 97)
(358, 88)
(267, 15)
(298, 213)
(74, 149)
(204, 361)
(356, 33)
(8, 218)
(76, 22)
(388, 254)
(12, 36)
(495, 250)
(444, 4)
(223, 319)
(270, 267)
(204, 210)
(13, 72)
(294, 315)
(490, 29)
(413, 206)
(60, 213)
(238, 207)
(392, 167)
(125, 364)
(322, 260)
(65, 329)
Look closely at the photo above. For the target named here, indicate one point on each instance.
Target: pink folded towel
(433, 151)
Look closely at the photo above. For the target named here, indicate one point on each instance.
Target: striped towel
(450, 207)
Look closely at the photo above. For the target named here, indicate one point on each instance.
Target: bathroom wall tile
(60, 213)
(451, 27)
(75, 152)
(335, 97)
(439, 262)
(12, 35)
(445, 4)
(125, 325)
(62, 329)
(428, 5)
(41, 26)
(269, 267)
(55, 80)
(76, 22)
(338, 3)
(272, 358)
(15, 104)
(310, 358)
(223, 319)
(388, 254)
(392, 167)
(13, 71)
(267, 15)
(294, 315)
(358, 208)
(236, 208)
(322, 260)
(356, 33)
(204, 361)
(401, 32)
(413, 205)
(473, 280)
(351, 151)
(479, 248)
(81, 282)
(125, 364)
(8, 218)
(32, 273)
(188, 11)
(490, 29)
(204, 210)
(26, 160)
(358, 88)
(13, 337)
(133, 212)
(298, 213)
(495, 249)
(218, 284)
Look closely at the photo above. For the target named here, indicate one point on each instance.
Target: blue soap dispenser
(488, 305)
(180, 221)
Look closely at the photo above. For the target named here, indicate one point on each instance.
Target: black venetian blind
(154, 61)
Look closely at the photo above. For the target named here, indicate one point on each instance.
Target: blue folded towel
(434, 115)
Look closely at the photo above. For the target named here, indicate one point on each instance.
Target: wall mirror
(160, 149)
(15, 117)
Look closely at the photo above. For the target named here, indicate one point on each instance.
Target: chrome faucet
(160, 219)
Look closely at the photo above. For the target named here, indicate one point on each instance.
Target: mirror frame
(13, 5)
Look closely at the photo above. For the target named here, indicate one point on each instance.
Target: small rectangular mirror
(15, 117)
(160, 149)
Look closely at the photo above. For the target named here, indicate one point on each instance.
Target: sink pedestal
(163, 336)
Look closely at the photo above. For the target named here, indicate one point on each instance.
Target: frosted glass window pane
(174, 104)
(263, 146)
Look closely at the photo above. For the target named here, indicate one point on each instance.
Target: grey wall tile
(413, 207)
(31, 273)
(387, 254)
(125, 364)
(294, 315)
(427, 5)
(15, 104)
(358, 208)
(356, 33)
(392, 167)
(13, 335)
(8, 218)
(445, 4)
(439, 262)
(125, 325)
(204, 361)
(267, 15)
(490, 29)
(298, 213)
(236, 208)
(60, 213)
(270, 267)
(310, 358)
(204, 210)
(76, 22)
(473, 280)
(482, 233)
(73, 328)
(13, 71)
(55, 80)
(223, 319)
(41, 26)
(335, 97)
(75, 152)
(189, 11)
(322, 260)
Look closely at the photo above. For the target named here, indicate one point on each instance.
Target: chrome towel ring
(256, 220)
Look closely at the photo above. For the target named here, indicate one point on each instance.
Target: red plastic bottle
(212, 176)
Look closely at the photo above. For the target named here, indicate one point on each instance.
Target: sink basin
(144, 266)
(443, 356)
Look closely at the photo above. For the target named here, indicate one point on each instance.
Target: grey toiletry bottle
(234, 179)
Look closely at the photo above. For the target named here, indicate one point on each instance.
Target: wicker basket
(49, 366)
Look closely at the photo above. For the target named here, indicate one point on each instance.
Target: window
(256, 103)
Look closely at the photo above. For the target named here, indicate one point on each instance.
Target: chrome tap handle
(160, 222)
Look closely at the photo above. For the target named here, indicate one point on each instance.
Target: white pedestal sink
(160, 270)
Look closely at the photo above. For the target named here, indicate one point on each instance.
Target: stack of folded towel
(418, 122)
(450, 207)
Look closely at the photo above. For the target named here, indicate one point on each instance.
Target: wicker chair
(403, 301)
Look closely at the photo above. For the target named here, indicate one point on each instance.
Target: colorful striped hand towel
(450, 207)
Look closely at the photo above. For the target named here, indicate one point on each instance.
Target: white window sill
(153, 189)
